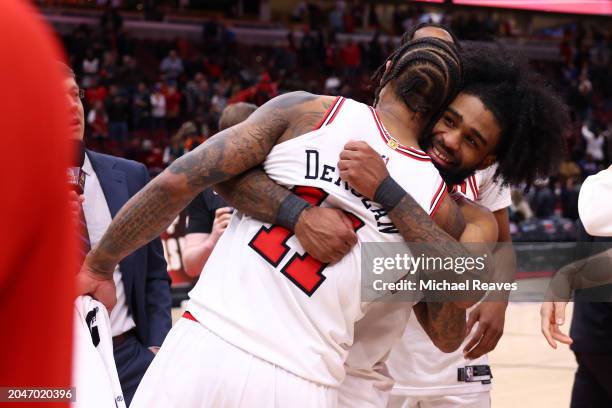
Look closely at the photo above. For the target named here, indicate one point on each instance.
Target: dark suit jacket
(144, 272)
(592, 320)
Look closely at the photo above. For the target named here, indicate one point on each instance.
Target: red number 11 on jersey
(271, 243)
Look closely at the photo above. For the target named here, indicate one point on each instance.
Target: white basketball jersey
(415, 364)
(262, 293)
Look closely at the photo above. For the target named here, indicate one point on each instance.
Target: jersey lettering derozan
(262, 293)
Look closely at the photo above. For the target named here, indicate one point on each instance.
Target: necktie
(82, 232)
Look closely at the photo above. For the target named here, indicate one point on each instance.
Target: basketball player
(243, 308)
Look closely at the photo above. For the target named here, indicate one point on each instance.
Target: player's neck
(402, 124)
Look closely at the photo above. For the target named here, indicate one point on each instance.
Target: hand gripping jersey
(259, 290)
(415, 364)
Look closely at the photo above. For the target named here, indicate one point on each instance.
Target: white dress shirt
(98, 218)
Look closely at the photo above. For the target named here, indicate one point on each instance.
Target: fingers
(223, 219)
(560, 312)
(223, 210)
(487, 343)
(349, 155)
(473, 340)
(344, 165)
(355, 145)
(349, 236)
(560, 336)
(546, 314)
(472, 319)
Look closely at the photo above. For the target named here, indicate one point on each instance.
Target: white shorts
(473, 400)
(197, 369)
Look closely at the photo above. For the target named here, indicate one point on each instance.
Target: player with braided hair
(421, 93)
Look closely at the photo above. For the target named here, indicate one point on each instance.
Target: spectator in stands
(158, 108)
(351, 58)
(594, 142)
(520, 209)
(541, 200)
(97, 119)
(90, 67)
(172, 66)
(175, 149)
(117, 108)
(588, 166)
(208, 214)
(141, 108)
(569, 168)
(173, 108)
(569, 199)
(336, 18)
(97, 92)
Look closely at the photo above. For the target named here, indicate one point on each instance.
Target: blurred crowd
(152, 101)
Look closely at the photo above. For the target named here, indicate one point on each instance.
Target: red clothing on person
(351, 55)
(173, 104)
(38, 255)
(98, 93)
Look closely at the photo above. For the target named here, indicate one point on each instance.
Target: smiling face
(76, 112)
(464, 139)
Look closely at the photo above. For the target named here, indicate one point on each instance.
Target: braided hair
(426, 74)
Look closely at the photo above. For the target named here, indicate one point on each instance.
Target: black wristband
(290, 210)
(389, 193)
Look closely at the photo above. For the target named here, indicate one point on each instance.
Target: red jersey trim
(437, 198)
(189, 316)
(473, 186)
(329, 113)
(406, 151)
(333, 116)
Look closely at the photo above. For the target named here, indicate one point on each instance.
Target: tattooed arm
(223, 156)
(445, 323)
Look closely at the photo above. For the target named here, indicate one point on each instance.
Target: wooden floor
(528, 372)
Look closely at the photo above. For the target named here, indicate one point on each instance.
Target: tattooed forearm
(423, 235)
(416, 226)
(255, 194)
(225, 155)
(444, 323)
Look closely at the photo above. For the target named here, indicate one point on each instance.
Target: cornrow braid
(426, 73)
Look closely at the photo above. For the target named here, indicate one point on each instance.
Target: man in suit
(141, 318)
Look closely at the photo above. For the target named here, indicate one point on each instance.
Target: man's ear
(487, 162)
(387, 66)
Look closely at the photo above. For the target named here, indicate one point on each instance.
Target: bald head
(436, 32)
(235, 113)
